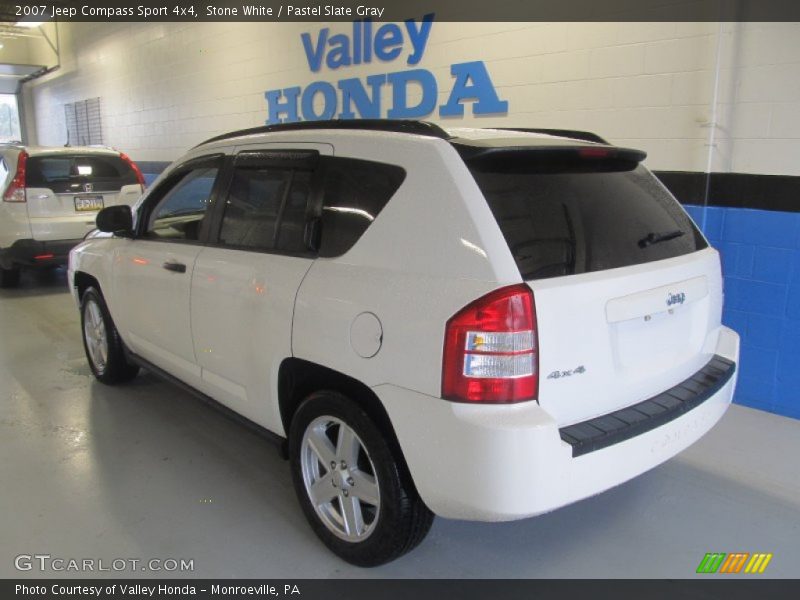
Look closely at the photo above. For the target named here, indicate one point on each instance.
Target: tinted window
(65, 174)
(563, 223)
(293, 219)
(252, 207)
(266, 209)
(354, 192)
(180, 213)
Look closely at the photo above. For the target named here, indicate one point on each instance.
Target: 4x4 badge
(559, 374)
(678, 298)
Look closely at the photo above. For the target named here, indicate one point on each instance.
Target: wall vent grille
(84, 123)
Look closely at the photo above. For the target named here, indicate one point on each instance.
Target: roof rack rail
(395, 125)
(586, 136)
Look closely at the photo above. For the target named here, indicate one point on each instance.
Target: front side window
(180, 213)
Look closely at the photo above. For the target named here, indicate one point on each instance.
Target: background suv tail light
(490, 349)
(134, 167)
(16, 189)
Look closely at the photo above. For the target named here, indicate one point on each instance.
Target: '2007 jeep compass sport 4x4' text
(479, 324)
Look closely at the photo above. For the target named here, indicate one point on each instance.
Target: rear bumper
(499, 463)
(34, 253)
(618, 426)
(63, 227)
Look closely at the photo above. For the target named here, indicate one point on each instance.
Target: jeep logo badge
(678, 298)
(88, 187)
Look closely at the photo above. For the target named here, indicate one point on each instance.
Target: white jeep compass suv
(479, 324)
(49, 198)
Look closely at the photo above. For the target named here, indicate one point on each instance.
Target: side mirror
(115, 219)
(312, 234)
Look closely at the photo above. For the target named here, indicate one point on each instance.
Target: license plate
(87, 203)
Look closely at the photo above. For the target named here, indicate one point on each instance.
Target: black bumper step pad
(631, 421)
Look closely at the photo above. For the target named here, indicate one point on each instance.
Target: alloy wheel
(94, 331)
(340, 479)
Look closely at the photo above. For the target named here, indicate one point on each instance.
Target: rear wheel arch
(350, 484)
(298, 379)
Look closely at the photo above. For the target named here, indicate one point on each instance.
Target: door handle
(175, 266)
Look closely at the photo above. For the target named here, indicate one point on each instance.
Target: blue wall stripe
(761, 264)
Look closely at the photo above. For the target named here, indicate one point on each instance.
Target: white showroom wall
(669, 88)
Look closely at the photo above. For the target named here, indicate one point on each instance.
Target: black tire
(9, 278)
(402, 520)
(115, 368)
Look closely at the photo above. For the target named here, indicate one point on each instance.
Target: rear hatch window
(565, 216)
(71, 174)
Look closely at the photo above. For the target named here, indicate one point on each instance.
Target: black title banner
(383, 10)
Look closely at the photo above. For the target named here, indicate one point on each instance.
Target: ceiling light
(30, 24)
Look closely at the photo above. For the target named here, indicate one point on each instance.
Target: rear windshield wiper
(654, 238)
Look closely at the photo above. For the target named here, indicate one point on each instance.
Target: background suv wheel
(353, 491)
(9, 277)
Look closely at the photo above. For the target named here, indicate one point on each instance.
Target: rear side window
(564, 222)
(253, 217)
(354, 192)
(69, 174)
(290, 233)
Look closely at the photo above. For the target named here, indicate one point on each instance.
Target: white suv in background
(50, 198)
(479, 324)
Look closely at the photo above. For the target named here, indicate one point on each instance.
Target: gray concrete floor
(146, 471)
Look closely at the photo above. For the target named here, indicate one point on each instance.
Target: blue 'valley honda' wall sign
(361, 98)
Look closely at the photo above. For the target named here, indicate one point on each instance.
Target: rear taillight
(134, 167)
(16, 189)
(490, 349)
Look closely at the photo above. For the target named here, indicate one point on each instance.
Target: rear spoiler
(579, 157)
(575, 134)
